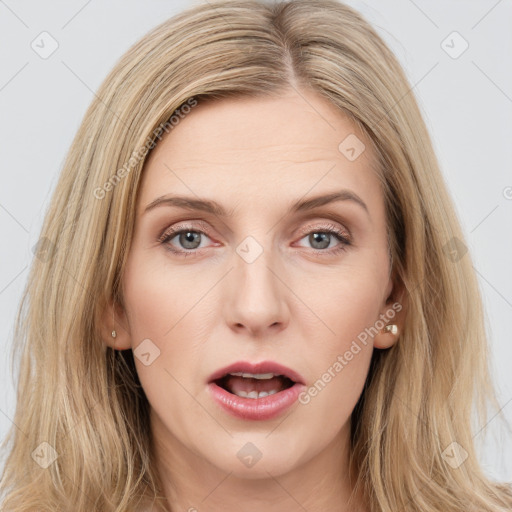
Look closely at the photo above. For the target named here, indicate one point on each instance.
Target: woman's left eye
(320, 238)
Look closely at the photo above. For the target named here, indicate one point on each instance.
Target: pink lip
(263, 408)
(262, 367)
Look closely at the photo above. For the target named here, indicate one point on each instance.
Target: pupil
(185, 239)
(323, 244)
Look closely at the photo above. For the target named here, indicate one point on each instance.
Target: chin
(259, 458)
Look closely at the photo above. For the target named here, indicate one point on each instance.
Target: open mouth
(254, 386)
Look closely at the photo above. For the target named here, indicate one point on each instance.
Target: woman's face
(261, 281)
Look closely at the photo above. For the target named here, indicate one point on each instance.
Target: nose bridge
(254, 267)
(258, 296)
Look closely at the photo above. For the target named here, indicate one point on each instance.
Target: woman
(247, 294)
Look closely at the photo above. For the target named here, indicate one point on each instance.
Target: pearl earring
(114, 333)
(391, 328)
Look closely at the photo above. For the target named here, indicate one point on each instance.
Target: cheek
(160, 301)
(349, 306)
(164, 307)
(348, 303)
(167, 320)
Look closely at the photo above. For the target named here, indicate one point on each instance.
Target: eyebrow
(210, 206)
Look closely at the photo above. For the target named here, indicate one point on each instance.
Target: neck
(192, 483)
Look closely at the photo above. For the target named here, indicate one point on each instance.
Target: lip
(264, 408)
(261, 367)
(259, 409)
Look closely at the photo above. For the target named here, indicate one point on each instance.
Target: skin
(294, 304)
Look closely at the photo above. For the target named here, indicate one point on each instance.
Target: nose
(257, 297)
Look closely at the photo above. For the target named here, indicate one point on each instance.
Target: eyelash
(331, 229)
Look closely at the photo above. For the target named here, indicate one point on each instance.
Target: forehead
(262, 147)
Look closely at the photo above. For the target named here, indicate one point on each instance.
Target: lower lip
(264, 408)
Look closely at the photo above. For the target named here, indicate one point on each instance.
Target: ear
(393, 312)
(114, 320)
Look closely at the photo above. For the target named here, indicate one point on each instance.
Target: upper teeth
(255, 394)
(254, 375)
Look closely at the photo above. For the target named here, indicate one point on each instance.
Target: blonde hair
(84, 399)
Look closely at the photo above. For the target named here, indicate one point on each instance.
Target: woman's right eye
(188, 240)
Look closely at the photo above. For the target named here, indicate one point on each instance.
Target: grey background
(466, 101)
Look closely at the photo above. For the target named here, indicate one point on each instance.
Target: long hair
(81, 439)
